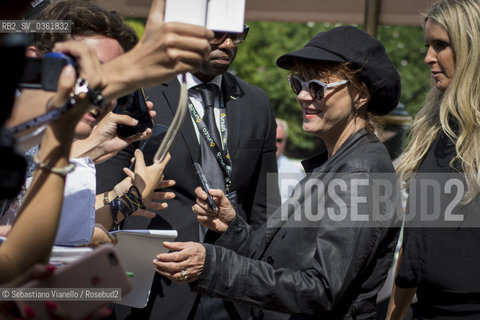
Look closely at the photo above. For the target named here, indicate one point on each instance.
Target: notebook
(136, 250)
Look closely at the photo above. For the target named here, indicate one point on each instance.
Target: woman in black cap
(327, 250)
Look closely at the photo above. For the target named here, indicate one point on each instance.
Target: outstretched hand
(155, 201)
(109, 141)
(147, 178)
(104, 142)
(220, 221)
(184, 264)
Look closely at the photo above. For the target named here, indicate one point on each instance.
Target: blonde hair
(459, 102)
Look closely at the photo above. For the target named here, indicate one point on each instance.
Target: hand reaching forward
(104, 142)
(109, 141)
(184, 264)
(155, 201)
(147, 178)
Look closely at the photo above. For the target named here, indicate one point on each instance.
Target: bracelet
(114, 212)
(81, 86)
(137, 200)
(60, 171)
(95, 96)
(118, 205)
(124, 206)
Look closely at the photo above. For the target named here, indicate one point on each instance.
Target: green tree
(137, 24)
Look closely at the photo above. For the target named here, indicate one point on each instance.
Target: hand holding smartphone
(88, 276)
(135, 106)
(205, 186)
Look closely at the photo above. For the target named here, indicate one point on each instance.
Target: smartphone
(150, 146)
(134, 105)
(43, 73)
(100, 269)
(205, 186)
(217, 15)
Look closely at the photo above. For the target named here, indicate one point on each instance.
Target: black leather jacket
(299, 266)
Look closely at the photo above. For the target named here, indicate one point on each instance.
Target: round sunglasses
(315, 88)
(236, 37)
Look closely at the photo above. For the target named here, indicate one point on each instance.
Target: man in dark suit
(250, 146)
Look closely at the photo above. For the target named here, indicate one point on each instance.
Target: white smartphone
(217, 15)
(86, 277)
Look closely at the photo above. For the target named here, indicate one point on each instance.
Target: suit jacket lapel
(231, 92)
(186, 130)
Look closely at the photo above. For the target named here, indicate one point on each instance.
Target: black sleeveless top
(440, 258)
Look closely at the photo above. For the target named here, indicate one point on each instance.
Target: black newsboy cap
(350, 44)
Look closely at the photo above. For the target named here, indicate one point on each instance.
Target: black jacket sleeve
(239, 237)
(312, 291)
(312, 271)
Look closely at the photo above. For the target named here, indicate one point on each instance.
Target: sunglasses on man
(315, 88)
(235, 37)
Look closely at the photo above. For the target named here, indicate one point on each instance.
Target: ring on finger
(183, 275)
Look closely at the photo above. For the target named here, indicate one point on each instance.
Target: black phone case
(135, 106)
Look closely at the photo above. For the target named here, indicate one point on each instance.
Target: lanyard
(80, 86)
(223, 157)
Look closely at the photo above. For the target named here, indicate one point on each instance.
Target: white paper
(186, 11)
(226, 15)
(218, 15)
(62, 255)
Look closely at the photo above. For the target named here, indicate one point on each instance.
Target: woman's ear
(361, 98)
(32, 52)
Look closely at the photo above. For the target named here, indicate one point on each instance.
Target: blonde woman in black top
(441, 264)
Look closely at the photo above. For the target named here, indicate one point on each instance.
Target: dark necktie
(209, 92)
(209, 163)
